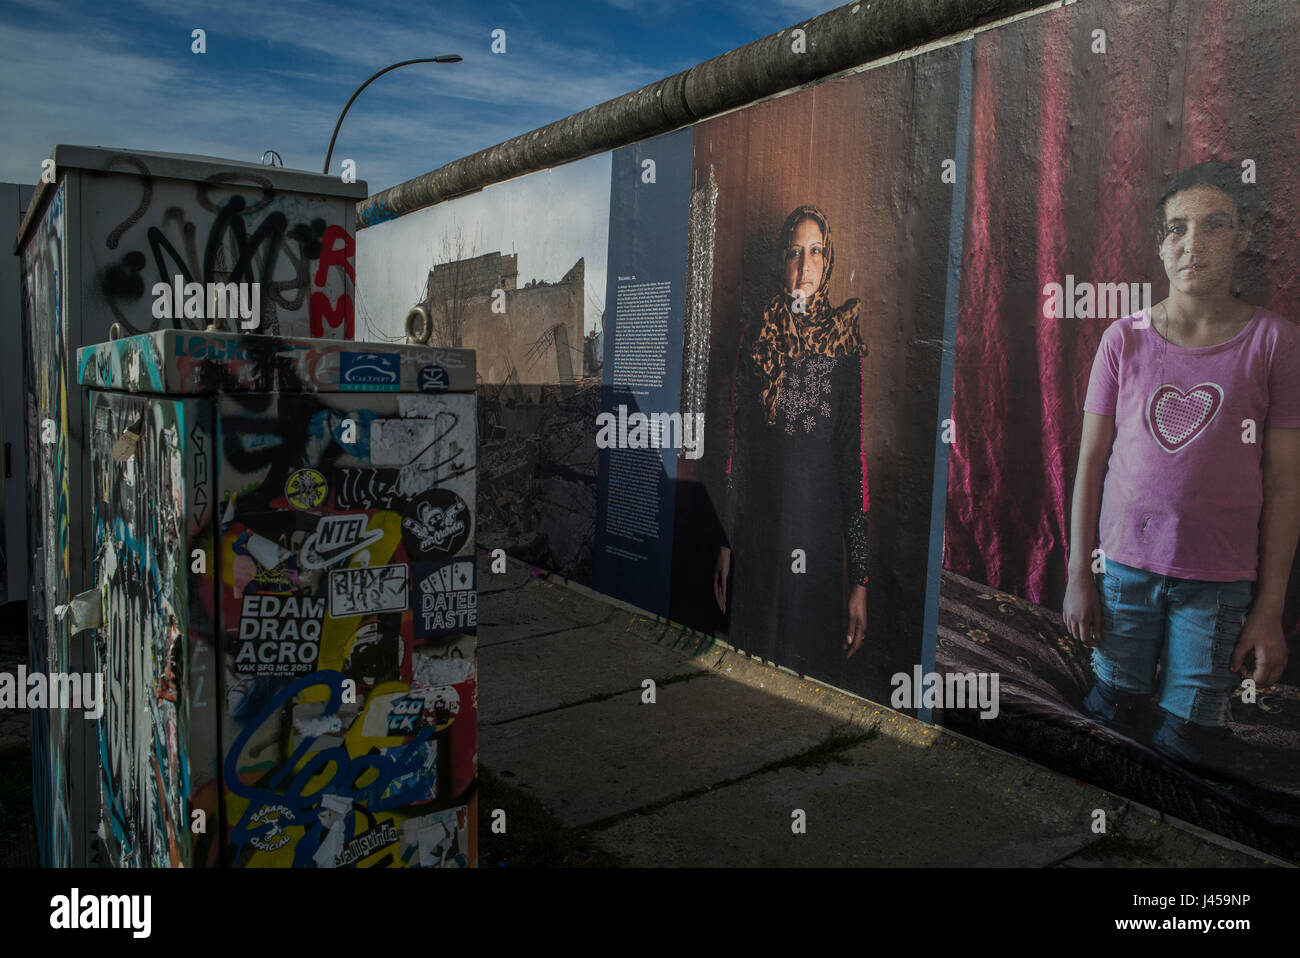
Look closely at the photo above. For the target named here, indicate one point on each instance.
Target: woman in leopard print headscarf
(800, 320)
(797, 497)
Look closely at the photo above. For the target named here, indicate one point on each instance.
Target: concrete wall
(976, 161)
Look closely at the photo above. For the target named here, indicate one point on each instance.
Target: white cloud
(77, 81)
(806, 9)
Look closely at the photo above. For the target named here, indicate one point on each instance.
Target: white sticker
(337, 537)
(395, 442)
(385, 588)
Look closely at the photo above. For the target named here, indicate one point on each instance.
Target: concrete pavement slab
(515, 575)
(1146, 839)
(569, 667)
(592, 761)
(889, 803)
(536, 607)
(712, 771)
(892, 804)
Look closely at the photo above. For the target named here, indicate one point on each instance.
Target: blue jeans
(1188, 629)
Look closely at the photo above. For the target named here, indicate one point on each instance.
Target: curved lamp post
(441, 58)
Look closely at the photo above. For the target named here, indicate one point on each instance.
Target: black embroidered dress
(799, 483)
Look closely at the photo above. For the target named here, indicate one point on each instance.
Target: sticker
(403, 714)
(434, 379)
(377, 488)
(275, 818)
(441, 524)
(333, 815)
(375, 656)
(398, 442)
(310, 721)
(441, 706)
(369, 372)
(448, 600)
(367, 843)
(281, 580)
(420, 784)
(305, 489)
(261, 565)
(265, 552)
(385, 588)
(440, 840)
(428, 669)
(337, 537)
(278, 635)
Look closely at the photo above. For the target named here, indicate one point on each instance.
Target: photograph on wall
(812, 341)
(516, 273)
(1123, 498)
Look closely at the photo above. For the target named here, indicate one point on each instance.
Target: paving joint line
(531, 635)
(827, 749)
(602, 696)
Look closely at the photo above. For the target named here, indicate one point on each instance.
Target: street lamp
(440, 58)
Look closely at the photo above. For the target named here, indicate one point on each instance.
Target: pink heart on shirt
(1176, 417)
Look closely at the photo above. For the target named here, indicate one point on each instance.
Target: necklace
(1164, 345)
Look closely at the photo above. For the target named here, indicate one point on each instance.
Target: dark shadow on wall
(697, 536)
(537, 473)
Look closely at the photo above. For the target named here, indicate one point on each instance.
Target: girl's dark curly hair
(1216, 173)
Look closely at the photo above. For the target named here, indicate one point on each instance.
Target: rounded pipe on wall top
(847, 37)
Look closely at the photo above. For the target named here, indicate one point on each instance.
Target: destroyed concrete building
(537, 450)
(535, 331)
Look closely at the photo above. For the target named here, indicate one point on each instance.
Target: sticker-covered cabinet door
(349, 613)
(151, 487)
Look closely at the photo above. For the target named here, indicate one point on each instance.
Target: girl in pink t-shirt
(1187, 499)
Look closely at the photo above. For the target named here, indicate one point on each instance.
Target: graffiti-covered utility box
(105, 230)
(283, 534)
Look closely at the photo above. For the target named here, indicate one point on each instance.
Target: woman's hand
(1263, 637)
(1082, 610)
(857, 621)
(721, 570)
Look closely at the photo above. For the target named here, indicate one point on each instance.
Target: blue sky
(121, 73)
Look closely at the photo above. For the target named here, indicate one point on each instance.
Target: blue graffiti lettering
(393, 777)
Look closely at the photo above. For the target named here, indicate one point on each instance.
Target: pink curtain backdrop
(1070, 148)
